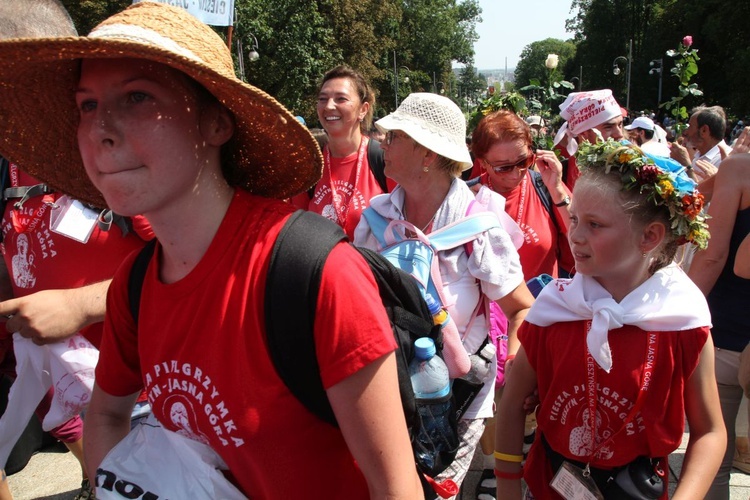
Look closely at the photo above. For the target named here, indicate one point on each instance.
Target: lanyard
(646, 375)
(340, 205)
(22, 224)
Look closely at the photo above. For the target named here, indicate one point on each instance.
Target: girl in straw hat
(425, 152)
(148, 104)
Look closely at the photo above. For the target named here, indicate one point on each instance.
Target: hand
(45, 317)
(680, 153)
(742, 144)
(531, 402)
(550, 169)
(704, 169)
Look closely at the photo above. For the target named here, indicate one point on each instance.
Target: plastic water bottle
(429, 379)
(481, 364)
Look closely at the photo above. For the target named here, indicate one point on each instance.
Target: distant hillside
(493, 75)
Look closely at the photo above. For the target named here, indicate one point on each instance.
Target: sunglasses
(522, 164)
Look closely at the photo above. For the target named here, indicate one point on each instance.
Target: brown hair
(500, 126)
(639, 208)
(364, 91)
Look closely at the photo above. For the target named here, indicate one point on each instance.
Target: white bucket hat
(433, 121)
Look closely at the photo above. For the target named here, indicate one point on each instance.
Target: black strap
(542, 192)
(376, 160)
(292, 286)
(137, 276)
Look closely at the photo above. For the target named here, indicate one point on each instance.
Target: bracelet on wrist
(509, 475)
(505, 457)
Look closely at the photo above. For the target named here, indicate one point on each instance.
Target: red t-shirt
(39, 259)
(558, 355)
(344, 190)
(201, 354)
(542, 239)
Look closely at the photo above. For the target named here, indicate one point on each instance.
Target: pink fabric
(499, 337)
(69, 432)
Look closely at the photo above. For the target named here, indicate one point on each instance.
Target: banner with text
(213, 12)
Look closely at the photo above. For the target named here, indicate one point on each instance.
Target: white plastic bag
(68, 366)
(153, 462)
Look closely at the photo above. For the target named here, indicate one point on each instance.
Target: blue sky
(510, 25)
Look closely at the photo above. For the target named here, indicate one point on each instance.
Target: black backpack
(292, 286)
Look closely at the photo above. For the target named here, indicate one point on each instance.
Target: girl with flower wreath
(621, 352)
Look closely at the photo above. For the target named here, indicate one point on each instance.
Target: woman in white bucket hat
(425, 152)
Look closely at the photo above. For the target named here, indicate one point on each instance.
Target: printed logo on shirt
(338, 203)
(529, 233)
(571, 410)
(188, 403)
(26, 248)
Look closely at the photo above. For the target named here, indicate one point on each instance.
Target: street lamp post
(395, 76)
(657, 66)
(616, 70)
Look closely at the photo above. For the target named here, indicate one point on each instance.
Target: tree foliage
(299, 40)
(602, 29)
(531, 64)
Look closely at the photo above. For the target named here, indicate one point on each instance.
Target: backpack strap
(376, 160)
(291, 297)
(377, 223)
(137, 276)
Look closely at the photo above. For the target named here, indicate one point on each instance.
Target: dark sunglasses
(522, 164)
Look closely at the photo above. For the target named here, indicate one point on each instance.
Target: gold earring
(644, 255)
(425, 169)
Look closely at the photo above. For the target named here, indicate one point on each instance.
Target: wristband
(508, 458)
(509, 475)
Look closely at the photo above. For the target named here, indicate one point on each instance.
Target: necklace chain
(428, 222)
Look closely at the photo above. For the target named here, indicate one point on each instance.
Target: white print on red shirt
(571, 410)
(189, 403)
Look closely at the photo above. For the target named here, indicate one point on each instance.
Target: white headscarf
(667, 301)
(583, 111)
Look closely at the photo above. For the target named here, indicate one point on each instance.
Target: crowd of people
(143, 133)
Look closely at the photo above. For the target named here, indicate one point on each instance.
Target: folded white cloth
(667, 301)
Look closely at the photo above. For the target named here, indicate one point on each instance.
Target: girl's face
(144, 137)
(504, 154)
(340, 109)
(604, 244)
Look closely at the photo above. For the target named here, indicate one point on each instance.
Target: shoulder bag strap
(137, 276)
(291, 297)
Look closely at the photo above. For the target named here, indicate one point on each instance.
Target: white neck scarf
(667, 301)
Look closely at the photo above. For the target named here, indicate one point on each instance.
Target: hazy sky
(510, 25)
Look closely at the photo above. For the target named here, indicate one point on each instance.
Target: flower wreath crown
(663, 180)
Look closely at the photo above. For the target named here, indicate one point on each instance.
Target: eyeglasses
(522, 164)
(390, 135)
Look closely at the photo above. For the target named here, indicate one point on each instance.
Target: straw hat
(433, 121)
(270, 154)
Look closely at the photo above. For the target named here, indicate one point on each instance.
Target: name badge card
(70, 218)
(571, 483)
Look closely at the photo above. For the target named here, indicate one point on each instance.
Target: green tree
(531, 64)
(298, 40)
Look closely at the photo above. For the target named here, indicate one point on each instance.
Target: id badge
(70, 218)
(570, 483)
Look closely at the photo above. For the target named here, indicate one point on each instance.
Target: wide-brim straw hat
(271, 153)
(435, 122)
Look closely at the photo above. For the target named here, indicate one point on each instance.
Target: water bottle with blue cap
(432, 390)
